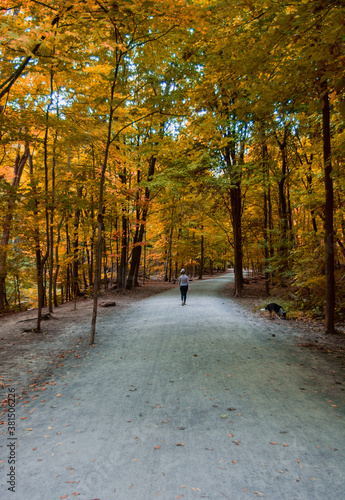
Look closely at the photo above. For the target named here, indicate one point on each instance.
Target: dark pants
(184, 290)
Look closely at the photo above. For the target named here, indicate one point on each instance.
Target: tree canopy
(141, 136)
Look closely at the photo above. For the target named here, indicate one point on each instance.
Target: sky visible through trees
(141, 136)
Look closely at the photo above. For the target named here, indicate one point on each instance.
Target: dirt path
(202, 401)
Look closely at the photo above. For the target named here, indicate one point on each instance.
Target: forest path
(202, 401)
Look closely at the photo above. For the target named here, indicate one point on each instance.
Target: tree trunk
(283, 247)
(236, 217)
(75, 265)
(138, 239)
(40, 261)
(68, 273)
(266, 218)
(40, 258)
(310, 189)
(40, 285)
(121, 278)
(57, 268)
(235, 194)
(6, 222)
(329, 206)
(100, 218)
(51, 250)
(201, 255)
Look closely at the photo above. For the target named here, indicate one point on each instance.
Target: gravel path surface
(201, 401)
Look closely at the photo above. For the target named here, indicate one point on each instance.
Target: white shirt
(183, 280)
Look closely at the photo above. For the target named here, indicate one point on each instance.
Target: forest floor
(58, 362)
(314, 337)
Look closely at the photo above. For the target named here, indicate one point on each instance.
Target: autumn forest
(140, 136)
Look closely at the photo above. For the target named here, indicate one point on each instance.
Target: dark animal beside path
(275, 308)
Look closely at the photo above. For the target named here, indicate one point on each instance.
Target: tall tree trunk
(310, 189)
(236, 216)
(168, 259)
(100, 216)
(132, 281)
(283, 247)
(266, 217)
(138, 240)
(122, 274)
(75, 265)
(41, 258)
(6, 222)
(235, 194)
(57, 267)
(201, 255)
(51, 250)
(329, 207)
(68, 266)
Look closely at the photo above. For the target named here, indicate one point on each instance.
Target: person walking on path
(183, 282)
